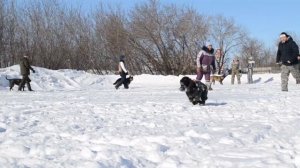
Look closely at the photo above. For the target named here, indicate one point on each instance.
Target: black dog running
(196, 91)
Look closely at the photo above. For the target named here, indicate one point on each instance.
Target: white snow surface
(78, 119)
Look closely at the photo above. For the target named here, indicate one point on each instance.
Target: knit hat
(122, 57)
(284, 34)
(208, 44)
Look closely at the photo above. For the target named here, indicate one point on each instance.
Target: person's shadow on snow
(215, 104)
(257, 80)
(269, 80)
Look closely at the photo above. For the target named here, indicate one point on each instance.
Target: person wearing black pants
(25, 68)
(123, 72)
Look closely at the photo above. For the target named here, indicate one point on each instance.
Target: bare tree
(156, 38)
(166, 36)
(227, 35)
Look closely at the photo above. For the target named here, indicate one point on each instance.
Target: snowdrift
(65, 79)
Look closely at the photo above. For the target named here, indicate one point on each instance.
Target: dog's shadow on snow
(215, 104)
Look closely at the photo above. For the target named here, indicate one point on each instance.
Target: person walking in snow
(123, 72)
(25, 68)
(287, 57)
(235, 71)
(206, 64)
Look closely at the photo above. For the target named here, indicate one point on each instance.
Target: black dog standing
(196, 91)
(25, 72)
(123, 72)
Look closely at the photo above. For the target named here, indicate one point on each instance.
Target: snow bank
(45, 79)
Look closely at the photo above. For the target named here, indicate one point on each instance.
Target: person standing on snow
(287, 57)
(250, 67)
(206, 63)
(219, 61)
(25, 68)
(235, 71)
(298, 65)
(123, 72)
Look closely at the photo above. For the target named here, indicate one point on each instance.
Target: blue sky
(263, 19)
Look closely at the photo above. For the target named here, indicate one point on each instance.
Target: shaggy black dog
(196, 91)
(13, 82)
(126, 83)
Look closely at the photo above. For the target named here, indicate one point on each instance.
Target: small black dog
(13, 82)
(196, 91)
(126, 83)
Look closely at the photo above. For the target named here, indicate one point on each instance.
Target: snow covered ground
(77, 119)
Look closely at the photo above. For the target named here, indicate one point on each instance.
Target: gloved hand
(33, 71)
(126, 73)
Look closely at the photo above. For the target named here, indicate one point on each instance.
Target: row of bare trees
(156, 39)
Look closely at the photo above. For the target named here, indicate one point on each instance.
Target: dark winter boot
(29, 87)
(126, 86)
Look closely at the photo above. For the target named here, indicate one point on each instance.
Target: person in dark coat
(25, 68)
(123, 72)
(206, 64)
(298, 67)
(287, 57)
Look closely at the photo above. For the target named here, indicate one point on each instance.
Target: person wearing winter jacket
(287, 57)
(206, 64)
(298, 67)
(25, 68)
(235, 71)
(123, 72)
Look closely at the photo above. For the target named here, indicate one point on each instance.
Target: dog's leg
(202, 103)
(11, 86)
